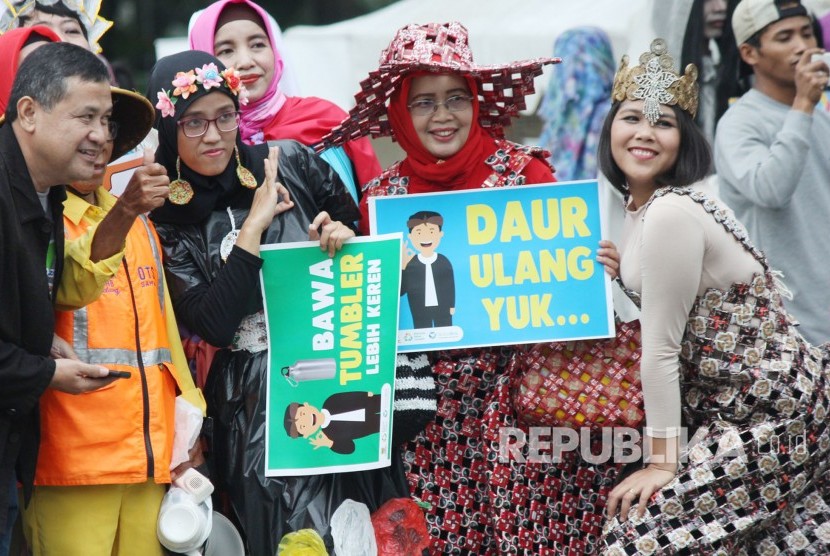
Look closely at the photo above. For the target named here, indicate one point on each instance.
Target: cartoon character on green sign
(343, 418)
(427, 278)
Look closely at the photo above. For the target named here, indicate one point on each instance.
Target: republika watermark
(625, 445)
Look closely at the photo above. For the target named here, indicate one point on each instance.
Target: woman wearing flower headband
(211, 229)
(718, 346)
(241, 34)
(448, 115)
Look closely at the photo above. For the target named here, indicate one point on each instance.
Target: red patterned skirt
(482, 503)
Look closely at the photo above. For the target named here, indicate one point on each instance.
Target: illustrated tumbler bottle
(310, 369)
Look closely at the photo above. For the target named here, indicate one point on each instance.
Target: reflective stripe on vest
(157, 257)
(114, 356)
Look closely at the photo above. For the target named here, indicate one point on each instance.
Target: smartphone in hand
(118, 374)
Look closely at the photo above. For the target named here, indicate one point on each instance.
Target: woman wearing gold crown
(718, 347)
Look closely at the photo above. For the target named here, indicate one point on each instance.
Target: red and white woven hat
(437, 48)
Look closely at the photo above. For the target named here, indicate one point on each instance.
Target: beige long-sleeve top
(672, 251)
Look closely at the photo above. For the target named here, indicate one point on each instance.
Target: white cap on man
(751, 16)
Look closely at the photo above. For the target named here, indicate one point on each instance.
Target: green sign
(331, 371)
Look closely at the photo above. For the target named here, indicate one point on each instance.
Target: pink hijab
(255, 115)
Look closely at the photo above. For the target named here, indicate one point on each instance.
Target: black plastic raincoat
(211, 298)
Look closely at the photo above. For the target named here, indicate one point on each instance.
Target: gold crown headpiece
(656, 82)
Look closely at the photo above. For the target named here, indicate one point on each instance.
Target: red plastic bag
(401, 528)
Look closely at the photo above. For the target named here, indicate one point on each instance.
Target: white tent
(331, 60)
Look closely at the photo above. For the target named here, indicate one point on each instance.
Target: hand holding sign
(609, 257)
(331, 233)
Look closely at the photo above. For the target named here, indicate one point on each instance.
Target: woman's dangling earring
(181, 192)
(245, 176)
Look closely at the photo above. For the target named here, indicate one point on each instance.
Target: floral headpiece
(208, 77)
(87, 10)
(656, 82)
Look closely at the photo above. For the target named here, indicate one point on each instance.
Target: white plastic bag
(352, 530)
(188, 424)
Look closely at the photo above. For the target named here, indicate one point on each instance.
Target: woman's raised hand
(272, 164)
(331, 233)
(270, 199)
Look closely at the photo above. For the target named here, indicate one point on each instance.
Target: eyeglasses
(196, 127)
(427, 106)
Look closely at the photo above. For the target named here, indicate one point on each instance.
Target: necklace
(229, 240)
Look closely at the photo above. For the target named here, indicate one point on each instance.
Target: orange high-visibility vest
(122, 433)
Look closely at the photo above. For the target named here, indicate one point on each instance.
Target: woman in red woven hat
(448, 114)
(718, 348)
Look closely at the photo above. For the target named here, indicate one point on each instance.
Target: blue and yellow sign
(498, 266)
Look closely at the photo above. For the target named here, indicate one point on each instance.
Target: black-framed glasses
(196, 127)
(428, 106)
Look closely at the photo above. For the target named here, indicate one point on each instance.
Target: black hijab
(210, 193)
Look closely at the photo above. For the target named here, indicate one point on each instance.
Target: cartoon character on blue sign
(427, 277)
(343, 418)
